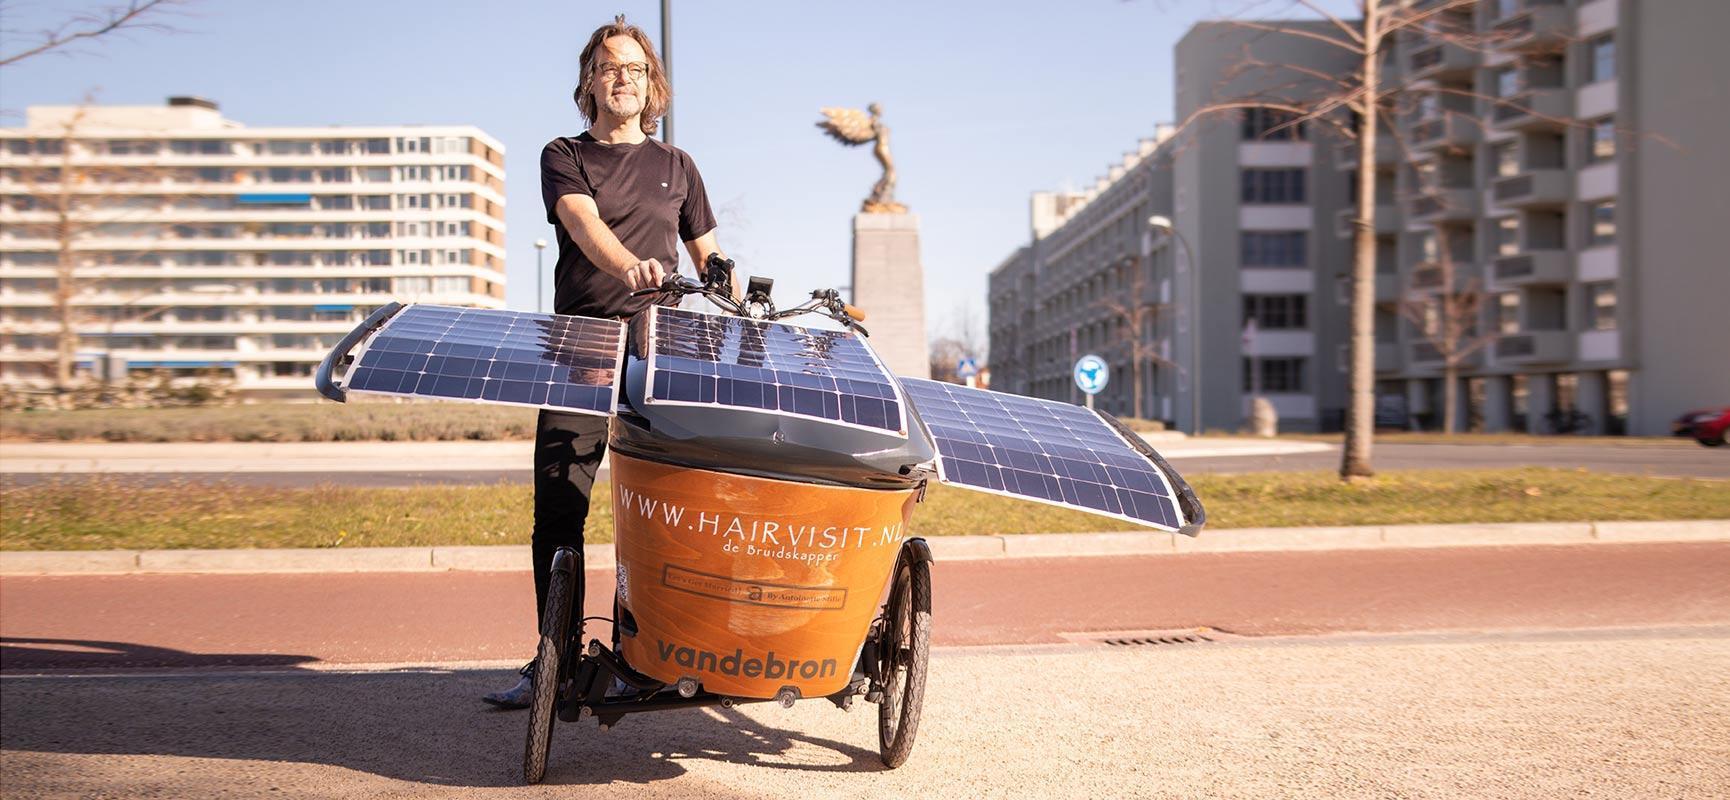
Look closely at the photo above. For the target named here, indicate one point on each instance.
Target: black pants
(568, 450)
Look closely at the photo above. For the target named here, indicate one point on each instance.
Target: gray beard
(622, 107)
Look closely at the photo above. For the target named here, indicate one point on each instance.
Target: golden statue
(852, 127)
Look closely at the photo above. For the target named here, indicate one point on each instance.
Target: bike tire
(555, 630)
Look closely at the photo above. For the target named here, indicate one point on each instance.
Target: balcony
(1541, 25)
(1425, 354)
(1535, 347)
(1444, 206)
(1533, 188)
(1426, 277)
(1346, 153)
(1533, 267)
(1442, 62)
(1387, 220)
(1542, 109)
(1451, 130)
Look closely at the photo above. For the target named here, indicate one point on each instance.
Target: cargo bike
(764, 477)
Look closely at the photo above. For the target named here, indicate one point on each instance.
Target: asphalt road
(1681, 458)
(274, 620)
(1530, 672)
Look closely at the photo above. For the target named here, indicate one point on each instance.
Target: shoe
(517, 696)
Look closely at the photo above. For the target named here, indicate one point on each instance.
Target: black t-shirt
(648, 193)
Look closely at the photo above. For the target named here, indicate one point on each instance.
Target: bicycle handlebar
(823, 301)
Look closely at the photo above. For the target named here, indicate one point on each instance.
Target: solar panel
(709, 360)
(493, 356)
(1041, 450)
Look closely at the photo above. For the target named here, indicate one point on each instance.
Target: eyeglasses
(634, 70)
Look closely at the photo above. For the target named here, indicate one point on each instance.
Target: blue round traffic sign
(1091, 374)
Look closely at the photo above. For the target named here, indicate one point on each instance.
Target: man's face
(620, 94)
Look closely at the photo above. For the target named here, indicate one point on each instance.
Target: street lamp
(1163, 223)
(540, 290)
(108, 336)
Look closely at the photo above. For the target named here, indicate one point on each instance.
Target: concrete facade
(1567, 175)
(203, 246)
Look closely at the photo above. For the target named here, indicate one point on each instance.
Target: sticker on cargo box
(757, 593)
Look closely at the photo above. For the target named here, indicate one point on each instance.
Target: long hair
(660, 92)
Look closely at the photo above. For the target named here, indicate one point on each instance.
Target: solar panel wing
(769, 367)
(1042, 450)
(550, 361)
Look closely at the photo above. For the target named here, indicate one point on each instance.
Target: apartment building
(201, 246)
(1567, 175)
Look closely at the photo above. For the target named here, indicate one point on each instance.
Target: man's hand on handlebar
(645, 274)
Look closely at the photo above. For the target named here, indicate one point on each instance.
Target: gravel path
(1617, 714)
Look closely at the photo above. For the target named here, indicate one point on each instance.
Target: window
(1428, 249)
(129, 147)
(1506, 82)
(1601, 140)
(1601, 223)
(1274, 249)
(199, 147)
(287, 147)
(1270, 125)
(1263, 186)
(1425, 175)
(1507, 236)
(1506, 158)
(1429, 106)
(1601, 59)
(1276, 311)
(1278, 375)
(1601, 306)
(1508, 312)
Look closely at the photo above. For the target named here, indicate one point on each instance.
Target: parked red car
(1712, 431)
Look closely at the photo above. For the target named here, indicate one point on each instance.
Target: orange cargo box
(750, 584)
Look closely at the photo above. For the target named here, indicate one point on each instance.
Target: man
(620, 202)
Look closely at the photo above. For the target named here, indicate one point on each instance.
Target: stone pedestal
(889, 284)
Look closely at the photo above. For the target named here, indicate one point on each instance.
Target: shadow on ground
(425, 727)
(23, 654)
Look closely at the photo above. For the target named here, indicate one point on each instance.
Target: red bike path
(292, 621)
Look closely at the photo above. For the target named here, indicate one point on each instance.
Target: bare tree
(1135, 316)
(964, 338)
(1449, 320)
(86, 26)
(1359, 105)
(79, 199)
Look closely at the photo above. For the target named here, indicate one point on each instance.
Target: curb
(944, 548)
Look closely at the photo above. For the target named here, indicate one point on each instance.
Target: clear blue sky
(988, 101)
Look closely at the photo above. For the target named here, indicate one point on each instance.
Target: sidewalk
(944, 548)
(196, 457)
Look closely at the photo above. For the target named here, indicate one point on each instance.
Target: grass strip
(100, 513)
(354, 421)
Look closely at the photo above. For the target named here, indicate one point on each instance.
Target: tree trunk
(65, 274)
(1450, 396)
(1361, 407)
